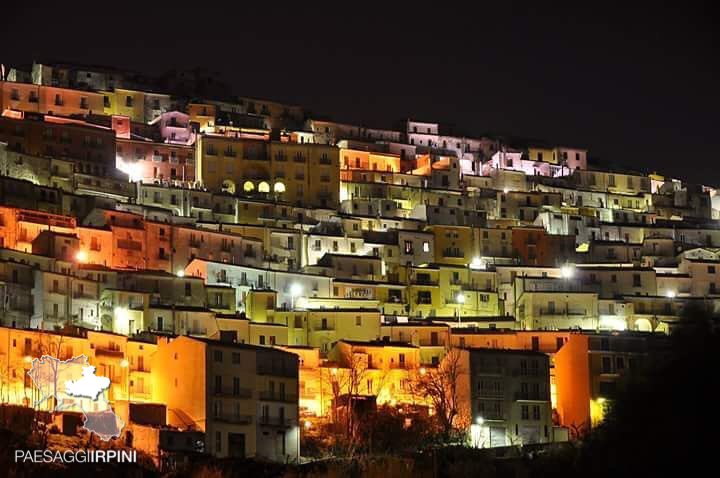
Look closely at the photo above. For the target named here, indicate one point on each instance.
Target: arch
(279, 187)
(228, 186)
(263, 187)
(643, 325)
(248, 186)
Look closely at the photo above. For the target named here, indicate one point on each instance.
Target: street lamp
(180, 273)
(459, 300)
(670, 294)
(81, 256)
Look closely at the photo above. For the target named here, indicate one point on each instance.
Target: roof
(237, 345)
(378, 343)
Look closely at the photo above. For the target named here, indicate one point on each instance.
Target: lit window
(264, 187)
(426, 246)
(279, 187)
(248, 186)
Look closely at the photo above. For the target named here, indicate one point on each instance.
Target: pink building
(175, 128)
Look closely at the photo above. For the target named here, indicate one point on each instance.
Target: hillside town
(249, 273)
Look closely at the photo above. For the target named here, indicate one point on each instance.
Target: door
(236, 445)
(497, 436)
(529, 434)
(433, 338)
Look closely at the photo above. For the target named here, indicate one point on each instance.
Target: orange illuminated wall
(369, 161)
(572, 379)
(97, 244)
(20, 227)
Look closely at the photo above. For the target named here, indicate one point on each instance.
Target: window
(358, 321)
(218, 356)
(218, 384)
(426, 246)
(536, 412)
(606, 365)
(408, 247)
(525, 412)
(711, 269)
(636, 280)
(236, 357)
(620, 363)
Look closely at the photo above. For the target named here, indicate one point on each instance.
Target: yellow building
(454, 244)
(467, 292)
(301, 174)
(203, 114)
(538, 153)
(128, 103)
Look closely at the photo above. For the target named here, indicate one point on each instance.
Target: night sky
(637, 87)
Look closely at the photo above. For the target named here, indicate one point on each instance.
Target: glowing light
(180, 273)
(296, 289)
(307, 424)
(477, 263)
(27, 359)
(506, 190)
(460, 298)
(670, 294)
(333, 371)
(264, 187)
(121, 313)
(248, 186)
(479, 420)
(279, 187)
(133, 170)
(567, 271)
(422, 370)
(124, 363)
(81, 256)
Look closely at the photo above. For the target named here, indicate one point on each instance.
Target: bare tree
(440, 387)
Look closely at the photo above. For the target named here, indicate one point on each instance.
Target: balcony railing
(488, 393)
(527, 372)
(531, 396)
(236, 419)
(275, 421)
(278, 397)
(234, 392)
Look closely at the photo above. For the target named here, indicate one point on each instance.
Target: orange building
(534, 246)
(92, 149)
(355, 159)
(587, 371)
(48, 99)
(20, 227)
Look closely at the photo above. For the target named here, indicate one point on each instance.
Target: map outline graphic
(47, 376)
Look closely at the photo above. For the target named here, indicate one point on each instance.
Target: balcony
(490, 393)
(423, 281)
(275, 421)
(431, 343)
(453, 253)
(495, 415)
(278, 397)
(527, 372)
(234, 419)
(488, 370)
(109, 352)
(538, 397)
(234, 392)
